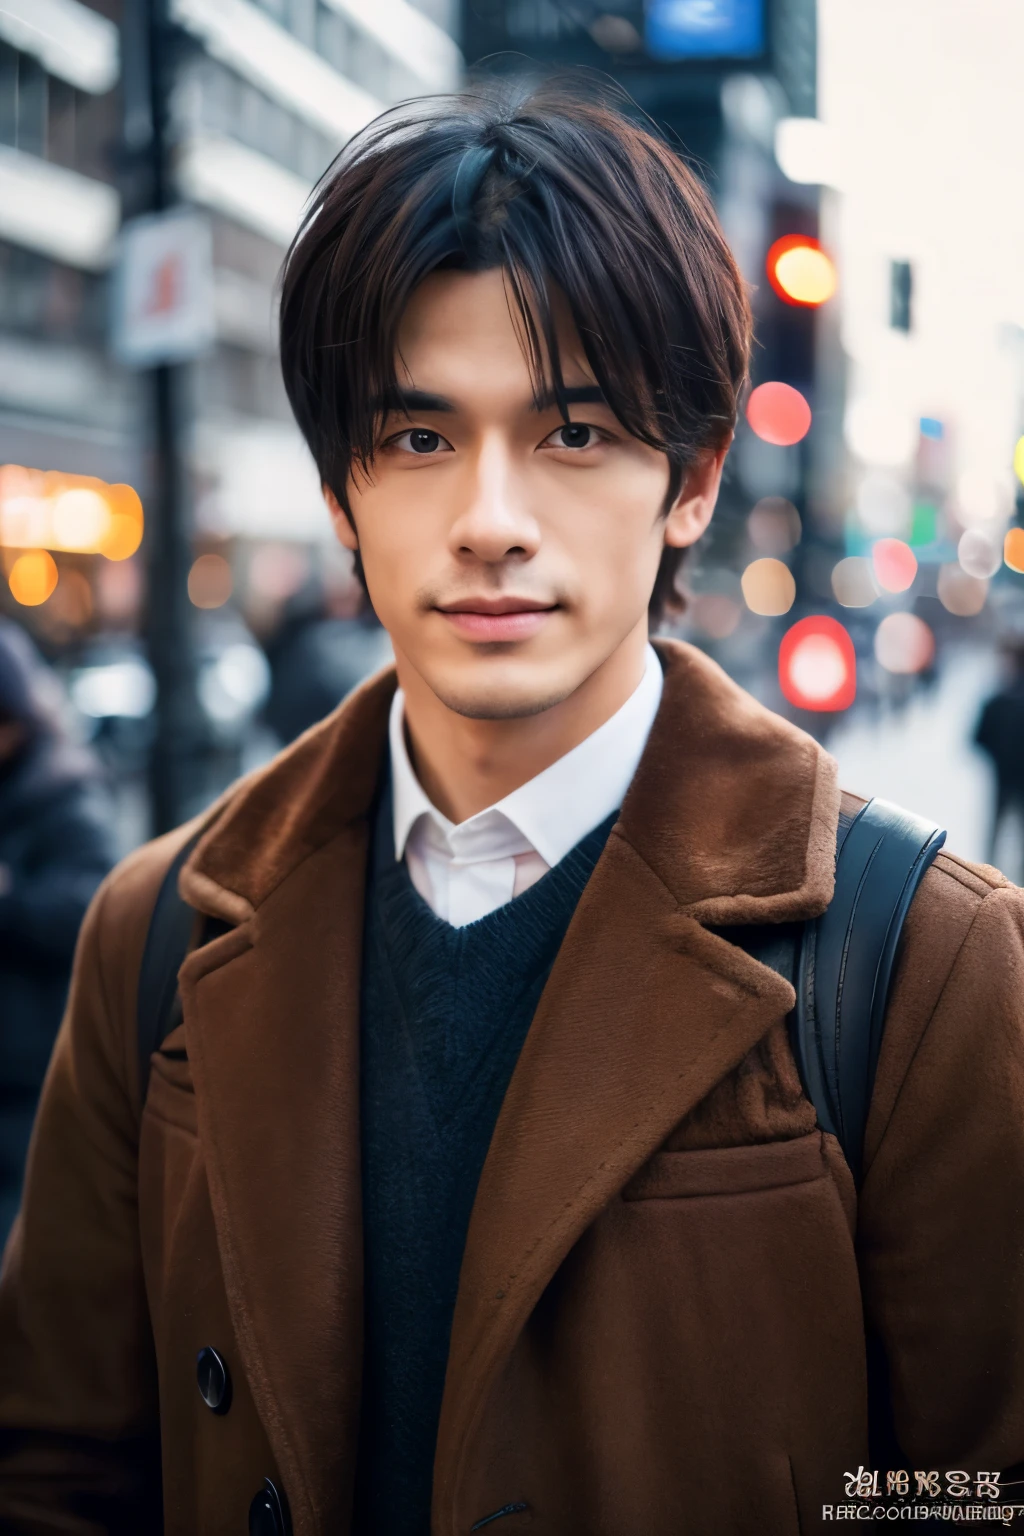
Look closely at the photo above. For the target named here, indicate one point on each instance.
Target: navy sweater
(444, 1014)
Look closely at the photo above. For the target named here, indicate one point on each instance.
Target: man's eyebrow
(576, 394)
(406, 402)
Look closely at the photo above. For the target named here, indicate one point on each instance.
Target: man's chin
(502, 699)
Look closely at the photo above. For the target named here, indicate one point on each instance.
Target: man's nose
(495, 522)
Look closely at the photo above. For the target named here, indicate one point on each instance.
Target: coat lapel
(271, 1021)
(731, 819)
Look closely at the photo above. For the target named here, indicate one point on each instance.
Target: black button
(214, 1381)
(267, 1515)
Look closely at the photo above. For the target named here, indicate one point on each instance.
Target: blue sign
(704, 29)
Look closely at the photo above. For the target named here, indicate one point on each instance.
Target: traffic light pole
(176, 747)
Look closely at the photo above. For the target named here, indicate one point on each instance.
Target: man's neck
(466, 764)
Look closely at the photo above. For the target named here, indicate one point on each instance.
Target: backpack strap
(841, 963)
(158, 1006)
(845, 965)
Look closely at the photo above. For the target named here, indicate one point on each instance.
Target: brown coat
(659, 1322)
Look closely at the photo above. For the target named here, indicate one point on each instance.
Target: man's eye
(576, 434)
(420, 440)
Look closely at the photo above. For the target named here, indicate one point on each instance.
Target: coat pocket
(729, 1170)
(171, 1096)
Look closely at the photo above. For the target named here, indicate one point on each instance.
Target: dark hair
(556, 184)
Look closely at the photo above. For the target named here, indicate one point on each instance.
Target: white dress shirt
(464, 872)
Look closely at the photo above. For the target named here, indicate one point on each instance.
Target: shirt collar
(554, 810)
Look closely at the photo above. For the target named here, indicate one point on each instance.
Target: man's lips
(497, 618)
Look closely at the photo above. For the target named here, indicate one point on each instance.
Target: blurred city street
(922, 755)
(163, 538)
(166, 554)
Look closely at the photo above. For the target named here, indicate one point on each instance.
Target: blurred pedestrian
(56, 844)
(318, 655)
(1000, 734)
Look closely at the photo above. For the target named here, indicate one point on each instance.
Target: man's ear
(343, 525)
(690, 513)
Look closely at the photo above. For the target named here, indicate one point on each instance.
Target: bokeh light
(818, 665)
(924, 524)
(714, 614)
(119, 590)
(880, 433)
(80, 519)
(959, 593)
(276, 571)
(853, 582)
(779, 414)
(773, 526)
(883, 504)
(805, 151)
(51, 510)
(1018, 460)
(32, 577)
(980, 499)
(904, 643)
(1013, 549)
(768, 587)
(979, 552)
(122, 538)
(72, 602)
(800, 271)
(210, 582)
(124, 534)
(894, 563)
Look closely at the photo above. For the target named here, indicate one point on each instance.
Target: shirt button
(214, 1381)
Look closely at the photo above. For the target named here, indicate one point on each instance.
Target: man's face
(507, 555)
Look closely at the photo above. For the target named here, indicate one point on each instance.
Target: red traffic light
(818, 665)
(779, 414)
(800, 271)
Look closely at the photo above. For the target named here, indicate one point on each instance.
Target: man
(56, 844)
(478, 1178)
(1000, 735)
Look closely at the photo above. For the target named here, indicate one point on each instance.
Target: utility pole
(176, 747)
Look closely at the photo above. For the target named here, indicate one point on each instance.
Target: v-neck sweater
(444, 1014)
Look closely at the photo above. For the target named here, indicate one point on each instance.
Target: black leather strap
(158, 1007)
(846, 961)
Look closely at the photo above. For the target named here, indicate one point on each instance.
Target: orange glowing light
(79, 518)
(52, 510)
(1013, 549)
(779, 414)
(32, 578)
(768, 587)
(800, 272)
(895, 564)
(818, 665)
(122, 538)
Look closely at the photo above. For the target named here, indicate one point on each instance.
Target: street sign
(704, 29)
(163, 308)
